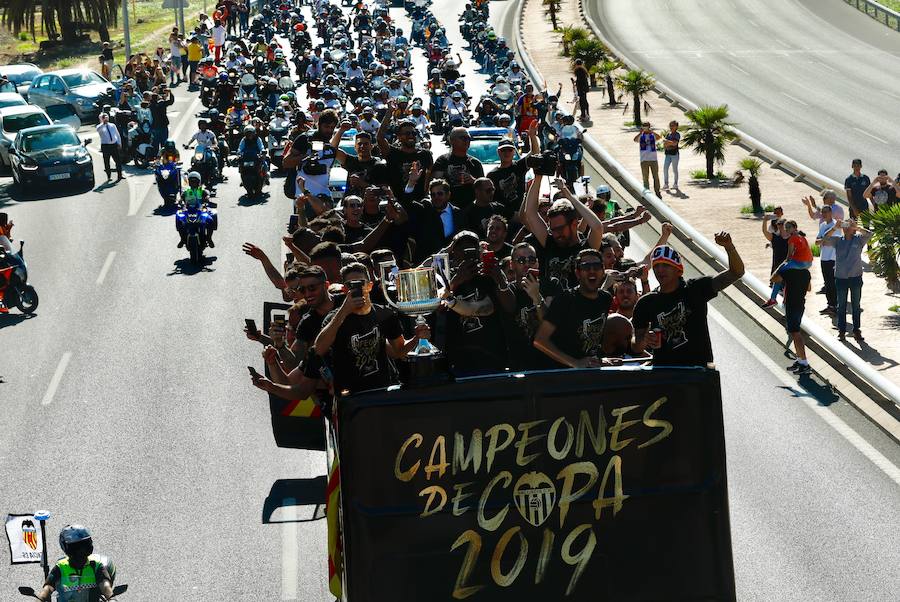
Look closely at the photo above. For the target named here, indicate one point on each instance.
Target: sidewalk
(713, 209)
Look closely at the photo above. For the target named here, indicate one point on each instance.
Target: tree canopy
(61, 17)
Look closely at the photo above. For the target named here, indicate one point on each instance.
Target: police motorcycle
(503, 95)
(253, 169)
(195, 221)
(14, 288)
(168, 174)
(569, 153)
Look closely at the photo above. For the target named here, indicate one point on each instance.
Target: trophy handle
(388, 274)
(441, 264)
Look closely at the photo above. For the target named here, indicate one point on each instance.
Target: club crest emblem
(535, 497)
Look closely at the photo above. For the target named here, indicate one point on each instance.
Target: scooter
(14, 288)
(277, 142)
(168, 182)
(204, 163)
(195, 223)
(29, 591)
(252, 175)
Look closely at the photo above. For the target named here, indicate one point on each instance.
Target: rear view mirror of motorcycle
(87, 141)
(120, 589)
(27, 591)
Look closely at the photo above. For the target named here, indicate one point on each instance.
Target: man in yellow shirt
(194, 54)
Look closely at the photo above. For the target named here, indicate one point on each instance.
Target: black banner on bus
(562, 485)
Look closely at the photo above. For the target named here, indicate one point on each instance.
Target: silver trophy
(418, 293)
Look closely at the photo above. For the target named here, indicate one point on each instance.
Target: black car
(50, 153)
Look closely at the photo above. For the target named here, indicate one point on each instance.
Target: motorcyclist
(206, 137)
(194, 197)
(225, 91)
(369, 123)
(251, 147)
(279, 122)
(418, 117)
(237, 114)
(81, 576)
(169, 152)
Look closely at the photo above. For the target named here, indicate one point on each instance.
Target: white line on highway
(57, 376)
(872, 136)
(891, 94)
(826, 65)
(738, 68)
(106, 265)
(289, 552)
(795, 99)
(854, 438)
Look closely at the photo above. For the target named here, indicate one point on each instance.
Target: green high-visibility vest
(72, 581)
(193, 196)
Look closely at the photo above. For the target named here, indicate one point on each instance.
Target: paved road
(814, 79)
(155, 437)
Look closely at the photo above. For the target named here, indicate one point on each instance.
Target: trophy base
(425, 370)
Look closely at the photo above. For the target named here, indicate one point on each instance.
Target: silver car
(80, 88)
(21, 75)
(16, 118)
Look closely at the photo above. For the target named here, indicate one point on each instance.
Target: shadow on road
(165, 210)
(14, 192)
(7, 320)
(185, 267)
(296, 492)
(247, 201)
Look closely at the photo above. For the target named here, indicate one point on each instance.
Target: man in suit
(433, 220)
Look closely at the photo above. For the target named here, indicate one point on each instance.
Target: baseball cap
(506, 143)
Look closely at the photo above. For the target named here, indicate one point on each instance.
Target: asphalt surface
(155, 437)
(813, 79)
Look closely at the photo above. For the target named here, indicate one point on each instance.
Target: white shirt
(827, 253)
(369, 126)
(447, 219)
(207, 138)
(109, 133)
(219, 35)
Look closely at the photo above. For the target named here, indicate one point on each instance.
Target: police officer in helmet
(81, 576)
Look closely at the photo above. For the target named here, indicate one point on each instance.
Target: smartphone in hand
(251, 326)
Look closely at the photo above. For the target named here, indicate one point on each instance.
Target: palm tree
(606, 68)
(636, 82)
(709, 132)
(69, 14)
(592, 52)
(570, 35)
(552, 8)
(753, 165)
(884, 248)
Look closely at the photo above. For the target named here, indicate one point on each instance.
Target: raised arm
(595, 239)
(533, 220)
(768, 220)
(271, 271)
(735, 263)
(381, 136)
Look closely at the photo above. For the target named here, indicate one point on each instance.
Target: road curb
(873, 395)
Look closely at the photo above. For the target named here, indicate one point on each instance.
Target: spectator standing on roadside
(158, 105)
(826, 260)
(882, 191)
(582, 83)
(799, 255)
(243, 11)
(828, 198)
(175, 57)
(848, 271)
(796, 285)
(218, 34)
(855, 185)
(647, 140)
(194, 54)
(671, 321)
(672, 154)
(106, 61)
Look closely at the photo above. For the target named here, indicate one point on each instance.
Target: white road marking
(57, 377)
(872, 136)
(854, 438)
(290, 558)
(738, 68)
(137, 191)
(826, 65)
(891, 94)
(106, 266)
(795, 99)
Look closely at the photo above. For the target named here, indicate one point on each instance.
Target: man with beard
(312, 156)
(474, 333)
(496, 237)
(509, 176)
(533, 297)
(400, 158)
(433, 221)
(625, 296)
(359, 168)
(476, 214)
(459, 168)
(671, 321)
(558, 238)
(572, 331)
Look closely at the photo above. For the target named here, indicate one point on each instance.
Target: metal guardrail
(877, 11)
(825, 339)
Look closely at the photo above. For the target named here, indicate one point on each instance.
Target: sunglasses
(302, 289)
(531, 259)
(590, 265)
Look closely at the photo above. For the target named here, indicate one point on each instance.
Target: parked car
(484, 145)
(16, 118)
(50, 153)
(11, 99)
(21, 74)
(81, 88)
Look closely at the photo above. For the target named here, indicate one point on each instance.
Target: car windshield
(11, 102)
(21, 77)
(485, 150)
(14, 123)
(49, 139)
(348, 147)
(82, 78)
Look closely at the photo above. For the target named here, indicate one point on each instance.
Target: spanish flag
(302, 408)
(335, 548)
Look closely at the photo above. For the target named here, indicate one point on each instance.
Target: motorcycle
(168, 182)
(276, 144)
(140, 147)
(203, 162)
(253, 177)
(29, 591)
(195, 222)
(208, 92)
(14, 288)
(569, 154)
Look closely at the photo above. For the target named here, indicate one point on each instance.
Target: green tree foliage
(61, 17)
(708, 134)
(637, 83)
(885, 243)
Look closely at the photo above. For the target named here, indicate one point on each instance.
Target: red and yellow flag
(302, 408)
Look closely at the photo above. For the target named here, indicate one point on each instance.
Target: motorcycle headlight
(198, 156)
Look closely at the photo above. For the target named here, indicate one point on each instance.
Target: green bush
(23, 35)
(570, 35)
(700, 174)
(884, 246)
(748, 209)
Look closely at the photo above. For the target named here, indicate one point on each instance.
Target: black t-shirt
(476, 344)
(579, 322)
(474, 216)
(509, 186)
(354, 166)
(779, 250)
(309, 327)
(504, 251)
(358, 356)
(451, 168)
(520, 327)
(399, 163)
(354, 234)
(796, 283)
(559, 262)
(682, 317)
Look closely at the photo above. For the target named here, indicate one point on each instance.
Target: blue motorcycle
(195, 224)
(168, 182)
